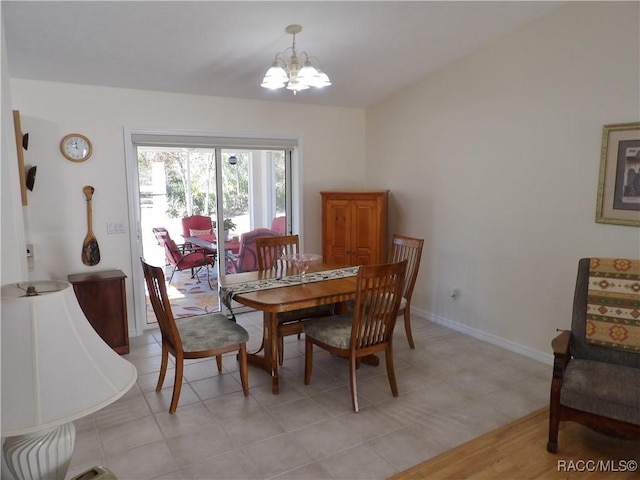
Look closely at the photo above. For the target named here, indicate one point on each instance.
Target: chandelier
(288, 71)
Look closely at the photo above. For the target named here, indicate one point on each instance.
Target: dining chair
(409, 249)
(269, 251)
(199, 336)
(195, 225)
(366, 331)
(181, 258)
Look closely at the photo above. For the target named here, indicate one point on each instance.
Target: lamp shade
(55, 367)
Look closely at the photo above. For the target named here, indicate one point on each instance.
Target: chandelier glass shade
(288, 71)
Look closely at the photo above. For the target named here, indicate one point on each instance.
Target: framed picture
(619, 182)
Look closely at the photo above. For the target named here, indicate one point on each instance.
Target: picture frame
(619, 178)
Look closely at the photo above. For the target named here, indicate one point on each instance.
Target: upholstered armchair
(596, 371)
(279, 224)
(247, 258)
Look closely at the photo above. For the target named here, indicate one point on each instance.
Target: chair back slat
(271, 249)
(378, 295)
(409, 249)
(157, 290)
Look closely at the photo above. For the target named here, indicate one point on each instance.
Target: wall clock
(76, 147)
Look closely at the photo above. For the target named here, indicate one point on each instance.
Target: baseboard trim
(510, 345)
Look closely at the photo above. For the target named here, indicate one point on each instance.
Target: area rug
(518, 451)
(189, 296)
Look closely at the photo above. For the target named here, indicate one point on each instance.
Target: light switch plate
(115, 227)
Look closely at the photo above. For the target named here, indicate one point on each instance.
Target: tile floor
(452, 388)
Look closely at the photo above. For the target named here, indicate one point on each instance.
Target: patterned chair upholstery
(596, 372)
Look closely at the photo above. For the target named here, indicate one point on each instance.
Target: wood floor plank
(518, 450)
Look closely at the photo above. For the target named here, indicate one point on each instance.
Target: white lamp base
(41, 455)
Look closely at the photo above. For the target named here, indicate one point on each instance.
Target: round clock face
(76, 147)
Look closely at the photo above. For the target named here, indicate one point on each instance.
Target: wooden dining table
(285, 299)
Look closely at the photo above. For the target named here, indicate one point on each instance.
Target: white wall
(12, 240)
(57, 207)
(494, 161)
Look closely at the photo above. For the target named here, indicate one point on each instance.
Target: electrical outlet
(30, 256)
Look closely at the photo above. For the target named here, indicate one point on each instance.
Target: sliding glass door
(239, 187)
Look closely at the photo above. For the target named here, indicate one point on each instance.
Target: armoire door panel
(338, 215)
(354, 226)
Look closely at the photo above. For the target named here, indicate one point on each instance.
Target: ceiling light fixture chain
(286, 70)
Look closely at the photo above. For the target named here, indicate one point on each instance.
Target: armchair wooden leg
(280, 351)
(219, 362)
(554, 427)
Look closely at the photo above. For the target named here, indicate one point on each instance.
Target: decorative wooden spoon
(90, 249)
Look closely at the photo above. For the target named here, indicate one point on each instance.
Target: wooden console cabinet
(102, 297)
(354, 226)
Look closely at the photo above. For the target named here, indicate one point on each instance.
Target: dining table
(283, 289)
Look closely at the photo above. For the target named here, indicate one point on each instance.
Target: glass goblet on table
(302, 262)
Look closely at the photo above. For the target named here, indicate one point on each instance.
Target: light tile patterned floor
(452, 388)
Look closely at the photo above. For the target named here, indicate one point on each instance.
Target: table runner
(227, 293)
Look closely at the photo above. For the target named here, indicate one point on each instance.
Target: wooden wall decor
(19, 140)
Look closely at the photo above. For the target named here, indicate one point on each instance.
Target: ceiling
(369, 49)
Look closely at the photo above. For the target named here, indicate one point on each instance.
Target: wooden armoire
(354, 227)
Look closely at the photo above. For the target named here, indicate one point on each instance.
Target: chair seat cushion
(602, 388)
(207, 332)
(334, 331)
(403, 303)
(192, 260)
